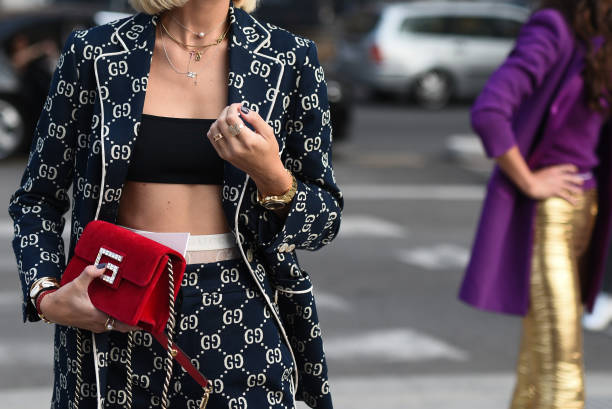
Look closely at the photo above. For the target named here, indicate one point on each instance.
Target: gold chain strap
(170, 327)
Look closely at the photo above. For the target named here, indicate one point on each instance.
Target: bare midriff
(164, 208)
(159, 207)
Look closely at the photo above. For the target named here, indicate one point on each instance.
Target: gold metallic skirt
(550, 367)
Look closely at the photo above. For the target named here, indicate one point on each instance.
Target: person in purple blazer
(544, 231)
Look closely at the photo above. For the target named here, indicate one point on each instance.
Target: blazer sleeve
(536, 52)
(38, 206)
(314, 217)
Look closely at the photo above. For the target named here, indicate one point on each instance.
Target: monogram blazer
(85, 138)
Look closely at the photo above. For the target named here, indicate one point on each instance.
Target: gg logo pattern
(84, 139)
(225, 327)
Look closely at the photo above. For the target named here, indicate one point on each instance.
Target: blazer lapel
(122, 78)
(254, 81)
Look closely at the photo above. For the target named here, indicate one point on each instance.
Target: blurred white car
(430, 51)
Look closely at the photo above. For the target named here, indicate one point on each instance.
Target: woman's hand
(555, 181)
(256, 153)
(70, 305)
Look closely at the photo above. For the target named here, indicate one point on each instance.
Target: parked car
(315, 19)
(428, 51)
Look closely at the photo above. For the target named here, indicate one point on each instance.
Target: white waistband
(211, 242)
(194, 242)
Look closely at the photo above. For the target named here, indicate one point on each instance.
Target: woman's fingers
(89, 274)
(123, 327)
(256, 121)
(217, 139)
(235, 124)
(567, 168)
(563, 194)
(572, 188)
(575, 180)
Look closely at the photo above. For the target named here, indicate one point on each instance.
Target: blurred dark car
(316, 20)
(23, 87)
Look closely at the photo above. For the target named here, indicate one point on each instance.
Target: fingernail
(101, 266)
(245, 110)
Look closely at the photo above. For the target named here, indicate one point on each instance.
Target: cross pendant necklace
(190, 74)
(197, 54)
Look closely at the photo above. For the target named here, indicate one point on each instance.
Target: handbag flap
(134, 257)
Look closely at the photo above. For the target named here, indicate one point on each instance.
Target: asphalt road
(396, 335)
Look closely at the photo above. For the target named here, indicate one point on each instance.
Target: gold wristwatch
(279, 202)
(45, 283)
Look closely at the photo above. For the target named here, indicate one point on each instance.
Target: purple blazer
(524, 103)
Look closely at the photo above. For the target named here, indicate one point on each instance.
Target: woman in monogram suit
(141, 121)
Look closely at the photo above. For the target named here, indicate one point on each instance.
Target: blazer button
(283, 248)
(249, 255)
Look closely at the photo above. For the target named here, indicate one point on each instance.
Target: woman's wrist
(526, 184)
(45, 299)
(274, 183)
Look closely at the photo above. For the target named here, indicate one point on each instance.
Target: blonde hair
(157, 6)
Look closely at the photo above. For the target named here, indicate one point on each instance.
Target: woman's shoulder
(283, 42)
(553, 21)
(101, 36)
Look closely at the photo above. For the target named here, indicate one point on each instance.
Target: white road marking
(368, 226)
(467, 144)
(414, 192)
(331, 302)
(438, 257)
(391, 345)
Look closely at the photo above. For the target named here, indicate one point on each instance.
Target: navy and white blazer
(85, 138)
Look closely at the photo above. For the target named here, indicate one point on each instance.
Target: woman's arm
(313, 218)
(560, 181)
(38, 206)
(537, 51)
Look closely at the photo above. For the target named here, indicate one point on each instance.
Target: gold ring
(110, 323)
(218, 137)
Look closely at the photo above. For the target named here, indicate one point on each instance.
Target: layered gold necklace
(195, 51)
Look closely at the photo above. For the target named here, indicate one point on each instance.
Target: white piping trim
(102, 149)
(97, 368)
(285, 291)
(237, 216)
(103, 181)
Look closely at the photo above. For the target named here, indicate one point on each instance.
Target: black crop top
(175, 150)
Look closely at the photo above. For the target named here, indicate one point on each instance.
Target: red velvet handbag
(135, 289)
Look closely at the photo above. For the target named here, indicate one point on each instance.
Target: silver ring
(236, 129)
(110, 323)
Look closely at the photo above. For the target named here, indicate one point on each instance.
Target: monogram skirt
(224, 325)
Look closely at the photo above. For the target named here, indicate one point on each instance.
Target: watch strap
(274, 202)
(39, 299)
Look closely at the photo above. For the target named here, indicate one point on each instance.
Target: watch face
(41, 286)
(274, 205)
